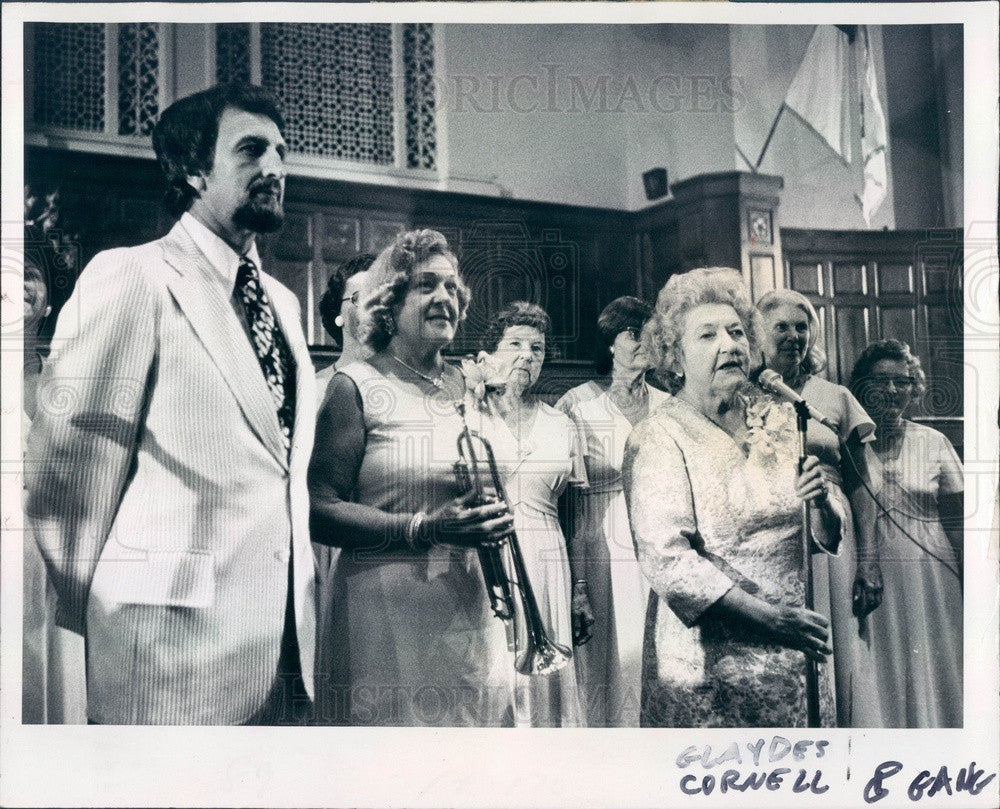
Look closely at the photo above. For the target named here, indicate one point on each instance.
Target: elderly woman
(419, 644)
(539, 451)
(605, 567)
(917, 477)
(714, 500)
(850, 582)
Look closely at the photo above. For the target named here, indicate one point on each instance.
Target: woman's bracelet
(412, 532)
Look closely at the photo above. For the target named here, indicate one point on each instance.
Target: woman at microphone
(851, 583)
(715, 504)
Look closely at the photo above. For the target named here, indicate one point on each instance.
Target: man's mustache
(266, 187)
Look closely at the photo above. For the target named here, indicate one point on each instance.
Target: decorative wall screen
(69, 70)
(334, 84)
(71, 90)
(138, 77)
(337, 87)
(354, 93)
(418, 64)
(232, 52)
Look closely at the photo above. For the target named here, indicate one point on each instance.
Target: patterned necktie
(269, 342)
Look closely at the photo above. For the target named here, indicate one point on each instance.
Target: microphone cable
(754, 377)
(857, 472)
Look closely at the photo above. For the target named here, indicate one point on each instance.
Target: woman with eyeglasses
(605, 568)
(346, 286)
(917, 476)
(848, 586)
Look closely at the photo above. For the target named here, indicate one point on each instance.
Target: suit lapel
(199, 292)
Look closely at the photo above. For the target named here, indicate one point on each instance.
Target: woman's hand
(804, 630)
(793, 627)
(459, 522)
(583, 615)
(867, 592)
(811, 484)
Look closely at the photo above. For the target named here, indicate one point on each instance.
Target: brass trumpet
(541, 655)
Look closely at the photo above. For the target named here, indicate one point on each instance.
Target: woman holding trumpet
(539, 450)
(419, 643)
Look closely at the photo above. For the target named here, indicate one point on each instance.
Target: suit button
(283, 555)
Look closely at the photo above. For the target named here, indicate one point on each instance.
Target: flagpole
(770, 134)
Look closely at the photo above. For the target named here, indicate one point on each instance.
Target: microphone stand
(812, 668)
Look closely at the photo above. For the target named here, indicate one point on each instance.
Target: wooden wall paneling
(894, 277)
(377, 234)
(899, 322)
(848, 278)
(852, 327)
(340, 236)
(298, 277)
(763, 276)
(806, 277)
(573, 259)
(914, 293)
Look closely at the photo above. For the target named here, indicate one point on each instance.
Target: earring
(339, 321)
(390, 324)
(612, 350)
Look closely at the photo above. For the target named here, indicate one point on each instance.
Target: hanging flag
(873, 139)
(818, 93)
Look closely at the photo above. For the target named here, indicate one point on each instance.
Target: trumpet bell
(546, 657)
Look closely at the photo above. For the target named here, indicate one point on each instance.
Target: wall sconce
(655, 183)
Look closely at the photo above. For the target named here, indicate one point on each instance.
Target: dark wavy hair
(333, 298)
(184, 136)
(626, 312)
(518, 313)
(392, 271)
(889, 349)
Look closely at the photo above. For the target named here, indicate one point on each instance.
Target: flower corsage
(770, 428)
(483, 378)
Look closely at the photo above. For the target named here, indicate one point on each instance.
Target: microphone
(772, 382)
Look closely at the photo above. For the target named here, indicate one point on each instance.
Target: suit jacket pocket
(164, 578)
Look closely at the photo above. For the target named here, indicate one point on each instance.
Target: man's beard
(258, 218)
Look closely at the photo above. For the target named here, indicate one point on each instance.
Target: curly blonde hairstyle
(683, 292)
(814, 360)
(391, 274)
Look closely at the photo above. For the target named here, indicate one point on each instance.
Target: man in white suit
(167, 463)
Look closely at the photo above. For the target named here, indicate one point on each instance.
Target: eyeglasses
(353, 297)
(899, 382)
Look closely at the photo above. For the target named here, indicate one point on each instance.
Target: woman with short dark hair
(605, 568)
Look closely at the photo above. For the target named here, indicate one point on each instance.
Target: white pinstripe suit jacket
(160, 493)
